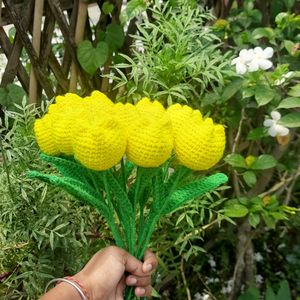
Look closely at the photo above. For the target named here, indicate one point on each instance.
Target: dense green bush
(245, 235)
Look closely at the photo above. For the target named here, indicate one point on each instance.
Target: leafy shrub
(176, 56)
(43, 232)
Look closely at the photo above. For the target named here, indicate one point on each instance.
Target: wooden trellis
(35, 37)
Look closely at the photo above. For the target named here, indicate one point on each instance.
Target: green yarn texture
(121, 196)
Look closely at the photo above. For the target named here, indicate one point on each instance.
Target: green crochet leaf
(76, 188)
(123, 208)
(158, 191)
(180, 173)
(68, 168)
(193, 190)
(142, 183)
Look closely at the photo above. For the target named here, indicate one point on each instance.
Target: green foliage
(43, 232)
(133, 9)
(90, 58)
(10, 95)
(179, 53)
(283, 293)
(170, 71)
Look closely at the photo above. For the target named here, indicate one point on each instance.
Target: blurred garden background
(236, 61)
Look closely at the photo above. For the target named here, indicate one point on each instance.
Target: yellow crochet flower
(150, 138)
(99, 142)
(126, 114)
(199, 144)
(44, 135)
(178, 114)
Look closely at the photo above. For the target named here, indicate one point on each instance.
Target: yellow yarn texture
(98, 133)
(198, 143)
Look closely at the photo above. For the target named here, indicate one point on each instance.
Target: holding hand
(104, 278)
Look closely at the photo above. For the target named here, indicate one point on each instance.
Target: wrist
(86, 284)
(62, 291)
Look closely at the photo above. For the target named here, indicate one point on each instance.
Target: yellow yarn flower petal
(100, 143)
(44, 135)
(126, 114)
(150, 109)
(150, 138)
(63, 127)
(199, 145)
(100, 99)
(178, 114)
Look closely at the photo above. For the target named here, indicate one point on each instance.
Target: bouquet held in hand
(117, 158)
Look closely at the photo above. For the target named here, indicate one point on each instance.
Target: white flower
(258, 257)
(227, 289)
(259, 279)
(199, 296)
(241, 62)
(283, 78)
(253, 59)
(260, 59)
(211, 261)
(275, 129)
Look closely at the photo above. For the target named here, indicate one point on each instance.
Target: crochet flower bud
(63, 128)
(44, 135)
(178, 114)
(126, 114)
(99, 143)
(150, 139)
(199, 144)
(98, 101)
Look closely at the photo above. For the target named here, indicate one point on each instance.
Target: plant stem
(154, 215)
(123, 174)
(188, 293)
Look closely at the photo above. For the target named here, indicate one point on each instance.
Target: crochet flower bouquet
(117, 158)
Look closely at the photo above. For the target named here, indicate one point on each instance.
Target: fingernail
(141, 291)
(131, 280)
(147, 268)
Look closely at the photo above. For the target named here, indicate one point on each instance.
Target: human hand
(104, 275)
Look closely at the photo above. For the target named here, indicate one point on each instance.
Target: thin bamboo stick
(79, 34)
(36, 42)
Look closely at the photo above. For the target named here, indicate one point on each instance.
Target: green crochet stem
(88, 186)
(175, 199)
